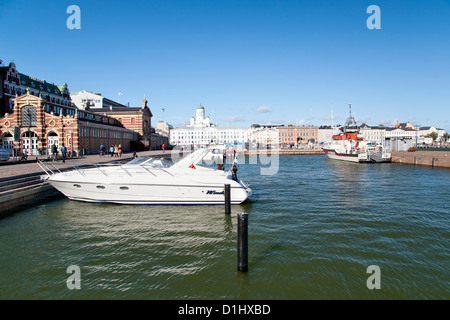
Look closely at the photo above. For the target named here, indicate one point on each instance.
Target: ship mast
(350, 121)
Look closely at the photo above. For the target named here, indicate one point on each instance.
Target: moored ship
(350, 146)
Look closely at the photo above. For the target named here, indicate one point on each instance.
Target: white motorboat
(150, 181)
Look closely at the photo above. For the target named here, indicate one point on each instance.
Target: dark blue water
(314, 229)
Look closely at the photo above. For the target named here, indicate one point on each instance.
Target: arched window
(29, 116)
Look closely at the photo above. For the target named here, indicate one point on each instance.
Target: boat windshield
(149, 161)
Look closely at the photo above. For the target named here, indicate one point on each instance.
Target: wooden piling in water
(242, 242)
(227, 199)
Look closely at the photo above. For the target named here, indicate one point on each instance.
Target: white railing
(48, 171)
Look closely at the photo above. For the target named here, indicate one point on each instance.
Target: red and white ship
(350, 146)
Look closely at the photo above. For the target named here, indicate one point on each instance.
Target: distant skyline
(278, 62)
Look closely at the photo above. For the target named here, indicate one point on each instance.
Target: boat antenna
(332, 118)
(350, 120)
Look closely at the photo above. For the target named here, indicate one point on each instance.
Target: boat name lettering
(215, 192)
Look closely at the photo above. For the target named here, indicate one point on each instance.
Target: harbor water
(314, 229)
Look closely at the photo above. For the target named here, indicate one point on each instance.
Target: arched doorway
(30, 143)
(8, 143)
(52, 139)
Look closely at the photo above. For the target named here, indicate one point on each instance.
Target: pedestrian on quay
(63, 152)
(163, 148)
(116, 151)
(54, 152)
(135, 155)
(111, 150)
(120, 151)
(102, 149)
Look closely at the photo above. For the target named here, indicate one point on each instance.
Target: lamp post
(417, 134)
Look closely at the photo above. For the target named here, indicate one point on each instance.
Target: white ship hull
(150, 194)
(332, 154)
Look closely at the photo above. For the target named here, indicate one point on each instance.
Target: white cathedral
(201, 132)
(200, 119)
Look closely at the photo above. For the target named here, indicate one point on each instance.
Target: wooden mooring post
(227, 199)
(242, 242)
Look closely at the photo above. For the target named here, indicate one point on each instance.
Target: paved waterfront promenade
(23, 168)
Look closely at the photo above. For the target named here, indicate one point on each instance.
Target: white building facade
(373, 133)
(200, 132)
(262, 137)
(79, 99)
(326, 133)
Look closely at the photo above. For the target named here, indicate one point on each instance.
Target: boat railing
(51, 169)
(79, 170)
(46, 169)
(101, 168)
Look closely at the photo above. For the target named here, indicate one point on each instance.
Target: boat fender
(192, 166)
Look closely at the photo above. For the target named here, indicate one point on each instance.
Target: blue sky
(283, 61)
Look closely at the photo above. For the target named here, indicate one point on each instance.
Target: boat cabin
(349, 136)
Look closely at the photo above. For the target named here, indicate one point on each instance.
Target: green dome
(200, 107)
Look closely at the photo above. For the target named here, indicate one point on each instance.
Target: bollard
(228, 199)
(242, 242)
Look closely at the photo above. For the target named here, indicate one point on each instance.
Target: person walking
(120, 151)
(116, 151)
(63, 152)
(54, 152)
(111, 150)
(163, 148)
(102, 149)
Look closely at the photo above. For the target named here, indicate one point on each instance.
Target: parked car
(4, 155)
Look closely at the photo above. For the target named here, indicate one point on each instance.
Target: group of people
(114, 151)
(55, 152)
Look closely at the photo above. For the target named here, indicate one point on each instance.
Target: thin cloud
(263, 109)
(235, 119)
(388, 123)
(329, 118)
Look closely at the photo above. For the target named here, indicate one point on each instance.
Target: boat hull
(332, 154)
(150, 194)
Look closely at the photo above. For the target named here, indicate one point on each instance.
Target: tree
(433, 135)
